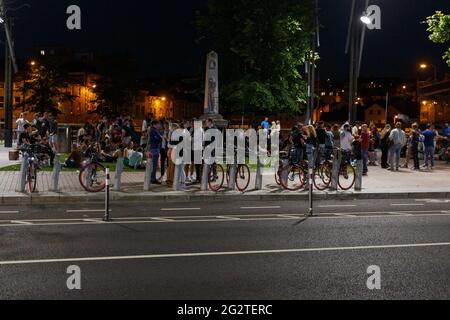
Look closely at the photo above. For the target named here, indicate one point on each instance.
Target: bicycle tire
(32, 178)
(89, 186)
(243, 175)
(216, 180)
(295, 175)
(322, 176)
(347, 177)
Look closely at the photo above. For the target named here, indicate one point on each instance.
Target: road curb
(56, 198)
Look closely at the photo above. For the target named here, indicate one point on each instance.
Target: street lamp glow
(33, 63)
(366, 20)
(423, 66)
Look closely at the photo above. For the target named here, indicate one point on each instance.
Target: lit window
(42, 52)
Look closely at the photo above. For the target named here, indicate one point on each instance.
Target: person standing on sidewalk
(385, 146)
(364, 140)
(154, 146)
(397, 138)
(430, 147)
(53, 131)
(21, 122)
(414, 141)
(164, 132)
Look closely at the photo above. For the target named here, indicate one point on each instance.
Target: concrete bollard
(337, 160)
(259, 176)
(148, 173)
(56, 173)
(23, 174)
(205, 177)
(232, 180)
(359, 175)
(118, 176)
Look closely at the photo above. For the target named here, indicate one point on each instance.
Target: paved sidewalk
(379, 184)
(4, 157)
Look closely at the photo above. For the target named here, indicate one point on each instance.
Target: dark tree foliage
(44, 89)
(262, 45)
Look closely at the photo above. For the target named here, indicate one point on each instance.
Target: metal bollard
(148, 173)
(259, 176)
(55, 174)
(107, 182)
(232, 180)
(23, 175)
(205, 177)
(359, 176)
(336, 169)
(118, 176)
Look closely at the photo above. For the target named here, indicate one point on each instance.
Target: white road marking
(401, 214)
(344, 215)
(26, 223)
(163, 220)
(228, 218)
(222, 254)
(180, 209)
(239, 218)
(9, 212)
(258, 208)
(338, 206)
(433, 200)
(407, 205)
(93, 220)
(88, 210)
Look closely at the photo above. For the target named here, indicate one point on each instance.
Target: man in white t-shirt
(21, 122)
(347, 138)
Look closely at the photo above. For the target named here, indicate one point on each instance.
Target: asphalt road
(238, 251)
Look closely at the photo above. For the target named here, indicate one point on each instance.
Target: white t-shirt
(346, 140)
(21, 122)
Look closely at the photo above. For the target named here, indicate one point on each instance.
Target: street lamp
(425, 66)
(366, 19)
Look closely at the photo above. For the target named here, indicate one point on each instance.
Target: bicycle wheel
(216, 177)
(93, 177)
(228, 173)
(292, 178)
(32, 178)
(347, 177)
(243, 178)
(322, 176)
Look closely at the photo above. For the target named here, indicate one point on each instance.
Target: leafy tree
(439, 28)
(262, 47)
(116, 89)
(44, 89)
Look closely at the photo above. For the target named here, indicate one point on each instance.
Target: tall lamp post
(10, 63)
(355, 46)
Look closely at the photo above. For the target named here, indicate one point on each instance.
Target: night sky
(162, 36)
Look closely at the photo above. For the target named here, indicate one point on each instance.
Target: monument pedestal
(219, 121)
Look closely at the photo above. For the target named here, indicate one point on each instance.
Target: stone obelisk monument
(211, 106)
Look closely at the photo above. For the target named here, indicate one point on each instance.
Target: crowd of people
(118, 138)
(41, 130)
(369, 144)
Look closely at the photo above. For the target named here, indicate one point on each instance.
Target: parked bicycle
(92, 174)
(216, 177)
(242, 176)
(34, 155)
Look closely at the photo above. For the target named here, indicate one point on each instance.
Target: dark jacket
(155, 140)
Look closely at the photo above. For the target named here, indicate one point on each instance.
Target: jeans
(365, 159)
(394, 154)
(415, 156)
(298, 155)
(155, 159)
(429, 155)
(310, 151)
